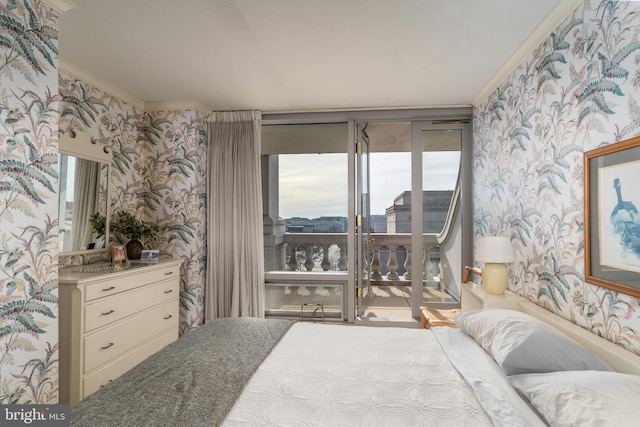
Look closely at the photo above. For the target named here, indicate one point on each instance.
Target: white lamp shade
(494, 249)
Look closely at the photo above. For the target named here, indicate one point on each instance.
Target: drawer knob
(107, 346)
(168, 291)
(105, 384)
(167, 317)
(168, 273)
(108, 289)
(106, 313)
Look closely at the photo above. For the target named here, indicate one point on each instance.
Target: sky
(314, 185)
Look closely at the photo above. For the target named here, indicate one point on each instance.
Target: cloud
(314, 185)
(390, 175)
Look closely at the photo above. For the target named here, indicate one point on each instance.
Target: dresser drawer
(109, 343)
(109, 310)
(119, 366)
(131, 280)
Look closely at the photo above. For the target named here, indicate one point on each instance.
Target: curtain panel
(86, 192)
(235, 252)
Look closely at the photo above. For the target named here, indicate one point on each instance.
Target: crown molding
(60, 6)
(95, 81)
(542, 31)
(200, 107)
(98, 83)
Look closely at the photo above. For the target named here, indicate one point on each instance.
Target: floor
(394, 302)
(386, 303)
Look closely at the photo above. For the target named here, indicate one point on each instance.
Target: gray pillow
(521, 344)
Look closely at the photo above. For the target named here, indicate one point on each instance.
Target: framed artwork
(118, 254)
(612, 216)
(150, 255)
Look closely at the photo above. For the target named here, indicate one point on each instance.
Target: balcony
(390, 261)
(308, 266)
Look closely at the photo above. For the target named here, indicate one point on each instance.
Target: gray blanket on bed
(194, 381)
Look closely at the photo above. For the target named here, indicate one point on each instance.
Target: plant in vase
(127, 225)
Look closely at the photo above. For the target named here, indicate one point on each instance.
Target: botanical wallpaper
(176, 153)
(158, 173)
(28, 203)
(578, 90)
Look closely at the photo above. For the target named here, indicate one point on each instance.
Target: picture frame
(150, 255)
(612, 216)
(118, 254)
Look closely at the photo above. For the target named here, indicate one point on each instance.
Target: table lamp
(494, 251)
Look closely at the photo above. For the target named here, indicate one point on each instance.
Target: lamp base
(494, 278)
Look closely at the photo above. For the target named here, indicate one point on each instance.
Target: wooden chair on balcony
(437, 317)
(467, 270)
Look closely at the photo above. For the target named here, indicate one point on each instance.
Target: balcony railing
(390, 260)
(328, 252)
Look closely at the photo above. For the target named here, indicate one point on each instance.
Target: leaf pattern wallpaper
(580, 89)
(158, 173)
(176, 195)
(28, 203)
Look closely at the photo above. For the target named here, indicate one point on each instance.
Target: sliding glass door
(373, 202)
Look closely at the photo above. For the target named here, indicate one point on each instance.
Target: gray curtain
(235, 254)
(86, 192)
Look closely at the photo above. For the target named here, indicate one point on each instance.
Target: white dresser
(473, 297)
(112, 317)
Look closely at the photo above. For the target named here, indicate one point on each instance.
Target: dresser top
(101, 271)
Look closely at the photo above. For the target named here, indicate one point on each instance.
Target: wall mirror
(85, 171)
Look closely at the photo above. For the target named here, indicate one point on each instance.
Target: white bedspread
(336, 375)
(497, 396)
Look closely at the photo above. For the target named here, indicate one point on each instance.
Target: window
(306, 196)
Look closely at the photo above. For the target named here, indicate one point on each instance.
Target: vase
(134, 249)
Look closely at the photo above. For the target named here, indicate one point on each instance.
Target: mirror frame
(81, 144)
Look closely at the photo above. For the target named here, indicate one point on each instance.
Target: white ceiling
(285, 55)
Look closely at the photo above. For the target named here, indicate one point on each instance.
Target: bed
(501, 367)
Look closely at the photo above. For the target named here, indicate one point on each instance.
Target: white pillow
(583, 398)
(521, 344)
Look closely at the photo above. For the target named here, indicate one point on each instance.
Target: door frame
(465, 202)
(363, 220)
(378, 115)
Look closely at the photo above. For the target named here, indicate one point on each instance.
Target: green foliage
(126, 224)
(98, 224)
